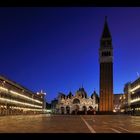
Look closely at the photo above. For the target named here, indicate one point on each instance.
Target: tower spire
(106, 32)
(105, 18)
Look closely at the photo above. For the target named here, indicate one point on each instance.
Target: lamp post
(44, 102)
(5, 112)
(33, 104)
(43, 94)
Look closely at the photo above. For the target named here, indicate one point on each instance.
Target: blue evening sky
(56, 48)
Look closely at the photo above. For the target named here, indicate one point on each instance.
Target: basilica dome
(69, 95)
(94, 94)
(81, 93)
(61, 95)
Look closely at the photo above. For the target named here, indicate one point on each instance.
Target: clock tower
(106, 71)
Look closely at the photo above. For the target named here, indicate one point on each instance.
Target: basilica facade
(78, 103)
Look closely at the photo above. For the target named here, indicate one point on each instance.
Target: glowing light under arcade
(16, 93)
(135, 100)
(135, 88)
(14, 101)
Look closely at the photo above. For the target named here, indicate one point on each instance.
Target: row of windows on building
(15, 99)
(131, 98)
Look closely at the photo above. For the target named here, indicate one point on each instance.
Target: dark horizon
(57, 49)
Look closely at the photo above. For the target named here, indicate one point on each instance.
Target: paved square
(70, 124)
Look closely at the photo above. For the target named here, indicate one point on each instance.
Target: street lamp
(33, 105)
(3, 84)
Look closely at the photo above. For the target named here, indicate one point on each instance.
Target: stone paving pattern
(70, 124)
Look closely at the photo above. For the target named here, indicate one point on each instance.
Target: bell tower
(106, 71)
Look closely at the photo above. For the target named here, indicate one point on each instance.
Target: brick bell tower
(106, 71)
